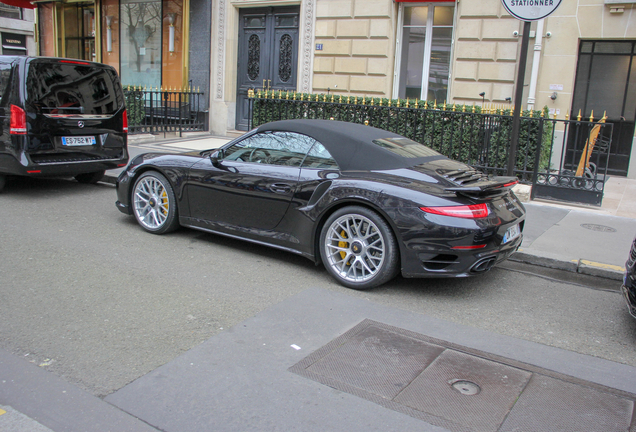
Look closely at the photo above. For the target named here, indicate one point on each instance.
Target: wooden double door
(267, 54)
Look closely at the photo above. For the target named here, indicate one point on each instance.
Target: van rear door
(75, 111)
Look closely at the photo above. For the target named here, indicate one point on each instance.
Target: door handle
(281, 188)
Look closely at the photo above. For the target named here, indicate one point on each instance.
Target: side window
(319, 157)
(273, 148)
(5, 80)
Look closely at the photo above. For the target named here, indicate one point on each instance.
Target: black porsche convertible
(365, 202)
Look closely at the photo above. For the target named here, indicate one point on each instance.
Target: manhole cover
(465, 387)
(599, 228)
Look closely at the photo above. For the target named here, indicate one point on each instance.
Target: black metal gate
(579, 156)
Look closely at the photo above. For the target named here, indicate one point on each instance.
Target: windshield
(59, 88)
(405, 147)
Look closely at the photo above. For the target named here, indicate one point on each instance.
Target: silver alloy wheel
(151, 202)
(355, 248)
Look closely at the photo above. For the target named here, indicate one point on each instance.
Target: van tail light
(125, 121)
(18, 121)
(475, 211)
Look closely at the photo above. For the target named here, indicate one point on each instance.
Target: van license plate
(512, 233)
(78, 141)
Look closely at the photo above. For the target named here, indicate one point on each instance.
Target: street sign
(530, 10)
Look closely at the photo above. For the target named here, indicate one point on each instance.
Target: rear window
(405, 147)
(73, 89)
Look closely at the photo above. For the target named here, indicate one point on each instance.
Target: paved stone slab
(43, 398)
(583, 235)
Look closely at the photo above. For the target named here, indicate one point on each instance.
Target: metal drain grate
(462, 389)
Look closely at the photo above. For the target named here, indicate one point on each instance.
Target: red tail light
(18, 121)
(481, 246)
(511, 183)
(75, 62)
(475, 211)
(125, 121)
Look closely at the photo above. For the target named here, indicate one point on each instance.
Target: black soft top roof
(350, 144)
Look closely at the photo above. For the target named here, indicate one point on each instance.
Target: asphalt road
(87, 294)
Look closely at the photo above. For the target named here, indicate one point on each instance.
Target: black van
(60, 117)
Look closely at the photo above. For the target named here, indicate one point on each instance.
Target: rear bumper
(61, 167)
(453, 263)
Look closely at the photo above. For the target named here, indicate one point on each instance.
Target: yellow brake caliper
(343, 244)
(164, 202)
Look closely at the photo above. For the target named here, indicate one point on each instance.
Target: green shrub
(459, 132)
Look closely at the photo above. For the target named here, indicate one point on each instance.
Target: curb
(586, 267)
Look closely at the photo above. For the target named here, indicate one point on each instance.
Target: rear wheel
(90, 178)
(154, 203)
(358, 248)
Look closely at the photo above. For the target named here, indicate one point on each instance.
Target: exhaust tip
(483, 265)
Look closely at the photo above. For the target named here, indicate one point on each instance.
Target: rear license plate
(78, 141)
(512, 233)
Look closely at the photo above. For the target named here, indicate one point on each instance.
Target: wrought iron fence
(466, 133)
(164, 110)
(549, 150)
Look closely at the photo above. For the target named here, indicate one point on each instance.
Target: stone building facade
(465, 51)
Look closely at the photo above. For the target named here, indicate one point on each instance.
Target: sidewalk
(588, 240)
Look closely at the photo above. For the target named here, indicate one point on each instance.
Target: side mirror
(216, 157)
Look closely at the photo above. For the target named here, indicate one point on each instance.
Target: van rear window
(73, 89)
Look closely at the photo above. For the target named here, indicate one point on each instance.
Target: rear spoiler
(486, 187)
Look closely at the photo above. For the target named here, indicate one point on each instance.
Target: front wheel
(154, 203)
(358, 248)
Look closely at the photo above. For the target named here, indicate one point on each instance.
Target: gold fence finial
(340, 99)
(380, 102)
(567, 116)
(454, 107)
(592, 116)
(604, 117)
(366, 122)
(531, 113)
(425, 104)
(579, 116)
(473, 110)
(363, 98)
(372, 102)
(416, 103)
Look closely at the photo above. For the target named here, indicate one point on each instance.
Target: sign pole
(521, 74)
